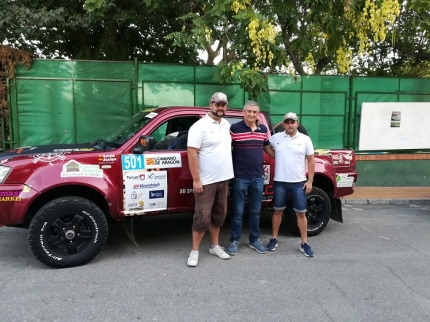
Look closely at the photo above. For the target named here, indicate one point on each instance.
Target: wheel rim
(314, 210)
(69, 234)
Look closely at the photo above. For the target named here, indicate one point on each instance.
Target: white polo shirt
(214, 143)
(290, 156)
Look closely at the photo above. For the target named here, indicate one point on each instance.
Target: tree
(9, 57)
(302, 36)
(245, 38)
(64, 29)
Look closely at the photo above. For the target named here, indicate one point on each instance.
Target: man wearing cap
(211, 166)
(292, 149)
(248, 139)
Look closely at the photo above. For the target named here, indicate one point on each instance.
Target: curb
(386, 201)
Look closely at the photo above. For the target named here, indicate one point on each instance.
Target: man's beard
(216, 113)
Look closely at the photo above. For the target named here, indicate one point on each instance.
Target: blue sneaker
(273, 243)
(258, 247)
(232, 249)
(306, 249)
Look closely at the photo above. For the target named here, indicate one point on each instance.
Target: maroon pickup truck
(66, 194)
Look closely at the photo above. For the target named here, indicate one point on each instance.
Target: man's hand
(308, 187)
(198, 187)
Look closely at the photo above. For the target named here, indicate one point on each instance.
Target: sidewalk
(389, 195)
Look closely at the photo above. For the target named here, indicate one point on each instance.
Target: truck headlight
(4, 171)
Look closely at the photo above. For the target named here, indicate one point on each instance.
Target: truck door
(171, 137)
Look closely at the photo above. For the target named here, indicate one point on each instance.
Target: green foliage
(253, 82)
(309, 36)
(224, 73)
(113, 30)
(97, 7)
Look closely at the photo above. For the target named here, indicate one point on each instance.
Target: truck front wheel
(67, 231)
(317, 213)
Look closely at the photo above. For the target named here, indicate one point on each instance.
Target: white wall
(394, 126)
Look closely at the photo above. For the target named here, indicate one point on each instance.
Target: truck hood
(47, 151)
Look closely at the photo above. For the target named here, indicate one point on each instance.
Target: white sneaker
(193, 259)
(219, 251)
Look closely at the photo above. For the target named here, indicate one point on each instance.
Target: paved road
(374, 267)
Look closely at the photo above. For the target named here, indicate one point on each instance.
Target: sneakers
(219, 251)
(258, 247)
(193, 259)
(273, 243)
(306, 249)
(232, 249)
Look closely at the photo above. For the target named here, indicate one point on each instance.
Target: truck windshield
(129, 129)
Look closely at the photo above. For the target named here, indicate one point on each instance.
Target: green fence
(68, 101)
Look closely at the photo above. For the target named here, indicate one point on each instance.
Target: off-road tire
(67, 231)
(317, 213)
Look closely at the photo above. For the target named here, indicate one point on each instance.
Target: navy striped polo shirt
(248, 153)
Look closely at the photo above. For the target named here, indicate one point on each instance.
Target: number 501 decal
(132, 162)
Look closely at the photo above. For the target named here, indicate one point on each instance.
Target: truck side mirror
(145, 143)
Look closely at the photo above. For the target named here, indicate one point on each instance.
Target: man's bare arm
(193, 164)
(268, 149)
(311, 172)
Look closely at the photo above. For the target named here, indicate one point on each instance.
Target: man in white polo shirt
(211, 166)
(292, 149)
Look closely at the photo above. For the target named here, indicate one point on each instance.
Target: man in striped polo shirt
(248, 140)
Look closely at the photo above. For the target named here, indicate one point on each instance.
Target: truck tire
(67, 231)
(317, 213)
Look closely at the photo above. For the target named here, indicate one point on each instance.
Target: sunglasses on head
(290, 122)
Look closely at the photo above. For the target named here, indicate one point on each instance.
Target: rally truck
(66, 194)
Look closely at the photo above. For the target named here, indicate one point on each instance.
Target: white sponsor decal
(75, 169)
(137, 185)
(48, 157)
(266, 174)
(151, 115)
(342, 158)
(343, 180)
(168, 160)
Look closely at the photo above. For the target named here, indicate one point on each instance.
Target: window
(173, 134)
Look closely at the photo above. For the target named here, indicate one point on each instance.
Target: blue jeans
(253, 188)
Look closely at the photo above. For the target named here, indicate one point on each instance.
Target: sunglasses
(219, 104)
(289, 122)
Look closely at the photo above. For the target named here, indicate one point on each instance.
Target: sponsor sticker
(266, 175)
(48, 157)
(159, 205)
(168, 160)
(132, 162)
(156, 194)
(106, 158)
(151, 115)
(75, 169)
(342, 159)
(145, 185)
(73, 150)
(144, 191)
(343, 181)
(11, 195)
